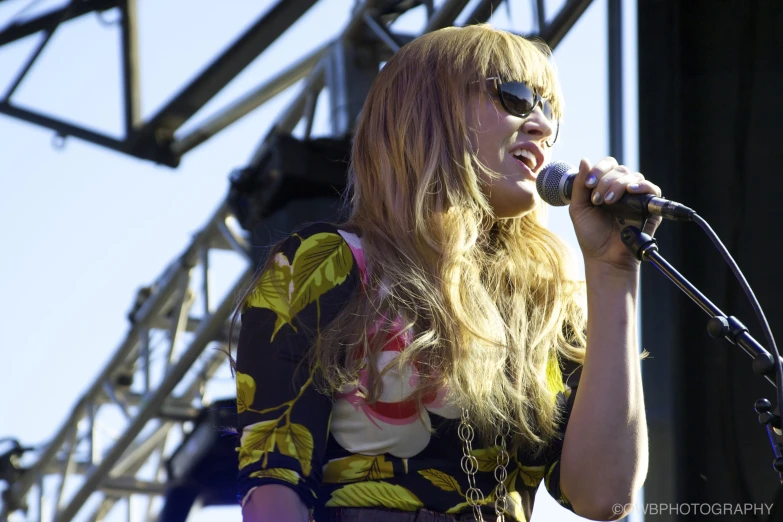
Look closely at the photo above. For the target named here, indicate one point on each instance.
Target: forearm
(274, 503)
(604, 460)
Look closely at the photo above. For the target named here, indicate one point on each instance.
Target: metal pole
(615, 39)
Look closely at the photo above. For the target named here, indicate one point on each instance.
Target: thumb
(584, 166)
(580, 194)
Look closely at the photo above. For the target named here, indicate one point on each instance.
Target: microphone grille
(548, 183)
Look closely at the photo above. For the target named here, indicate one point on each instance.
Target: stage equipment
(202, 471)
(293, 182)
(11, 470)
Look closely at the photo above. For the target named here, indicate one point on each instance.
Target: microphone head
(554, 183)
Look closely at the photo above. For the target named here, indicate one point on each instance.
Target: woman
(420, 361)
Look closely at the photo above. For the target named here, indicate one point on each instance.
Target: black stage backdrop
(711, 135)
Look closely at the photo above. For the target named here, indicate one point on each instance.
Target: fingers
(652, 225)
(610, 181)
(600, 177)
(644, 187)
(607, 182)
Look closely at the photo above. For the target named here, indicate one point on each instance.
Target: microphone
(555, 183)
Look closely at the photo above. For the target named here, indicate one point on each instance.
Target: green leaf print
(515, 499)
(357, 467)
(274, 292)
(367, 494)
(442, 480)
(297, 442)
(321, 262)
(257, 442)
(531, 475)
(487, 458)
(246, 391)
(287, 475)
(261, 439)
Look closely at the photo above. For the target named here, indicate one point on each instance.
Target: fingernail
(609, 197)
(596, 198)
(633, 186)
(591, 180)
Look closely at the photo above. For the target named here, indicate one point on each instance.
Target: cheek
(485, 182)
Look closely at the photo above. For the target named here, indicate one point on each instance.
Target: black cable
(751, 297)
(753, 301)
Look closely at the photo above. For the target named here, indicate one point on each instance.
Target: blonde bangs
(474, 53)
(532, 64)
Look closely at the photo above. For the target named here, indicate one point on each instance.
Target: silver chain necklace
(470, 466)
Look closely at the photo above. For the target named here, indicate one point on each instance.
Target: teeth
(524, 155)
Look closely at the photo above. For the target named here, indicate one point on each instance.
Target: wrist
(605, 278)
(595, 268)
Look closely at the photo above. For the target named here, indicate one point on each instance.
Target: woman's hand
(596, 229)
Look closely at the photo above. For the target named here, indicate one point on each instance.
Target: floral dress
(341, 451)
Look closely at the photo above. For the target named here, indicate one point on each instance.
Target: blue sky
(85, 227)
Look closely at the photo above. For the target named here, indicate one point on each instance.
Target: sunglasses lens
(546, 108)
(518, 98)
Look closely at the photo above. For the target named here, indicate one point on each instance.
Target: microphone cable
(762, 319)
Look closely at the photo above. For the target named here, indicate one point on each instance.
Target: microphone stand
(645, 248)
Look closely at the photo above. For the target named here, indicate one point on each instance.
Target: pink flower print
(355, 244)
(392, 424)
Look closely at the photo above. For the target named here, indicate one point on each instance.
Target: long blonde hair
(490, 303)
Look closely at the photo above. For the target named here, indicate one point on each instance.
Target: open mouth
(525, 157)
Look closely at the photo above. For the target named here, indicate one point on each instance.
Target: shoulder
(316, 227)
(320, 230)
(317, 238)
(328, 244)
(312, 260)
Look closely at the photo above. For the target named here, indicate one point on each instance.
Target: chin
(517, 208)
(513, 213)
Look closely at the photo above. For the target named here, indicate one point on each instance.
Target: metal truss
(154, 139)
(150, 402)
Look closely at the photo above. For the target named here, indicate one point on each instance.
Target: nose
(538, 126)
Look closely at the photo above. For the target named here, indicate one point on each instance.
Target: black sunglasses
(520, 100)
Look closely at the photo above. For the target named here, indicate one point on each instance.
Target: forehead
(534, 73)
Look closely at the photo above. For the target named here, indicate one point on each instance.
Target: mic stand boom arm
(645, 248)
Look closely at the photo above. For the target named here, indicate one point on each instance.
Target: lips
(528, 171)
(533, 149)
